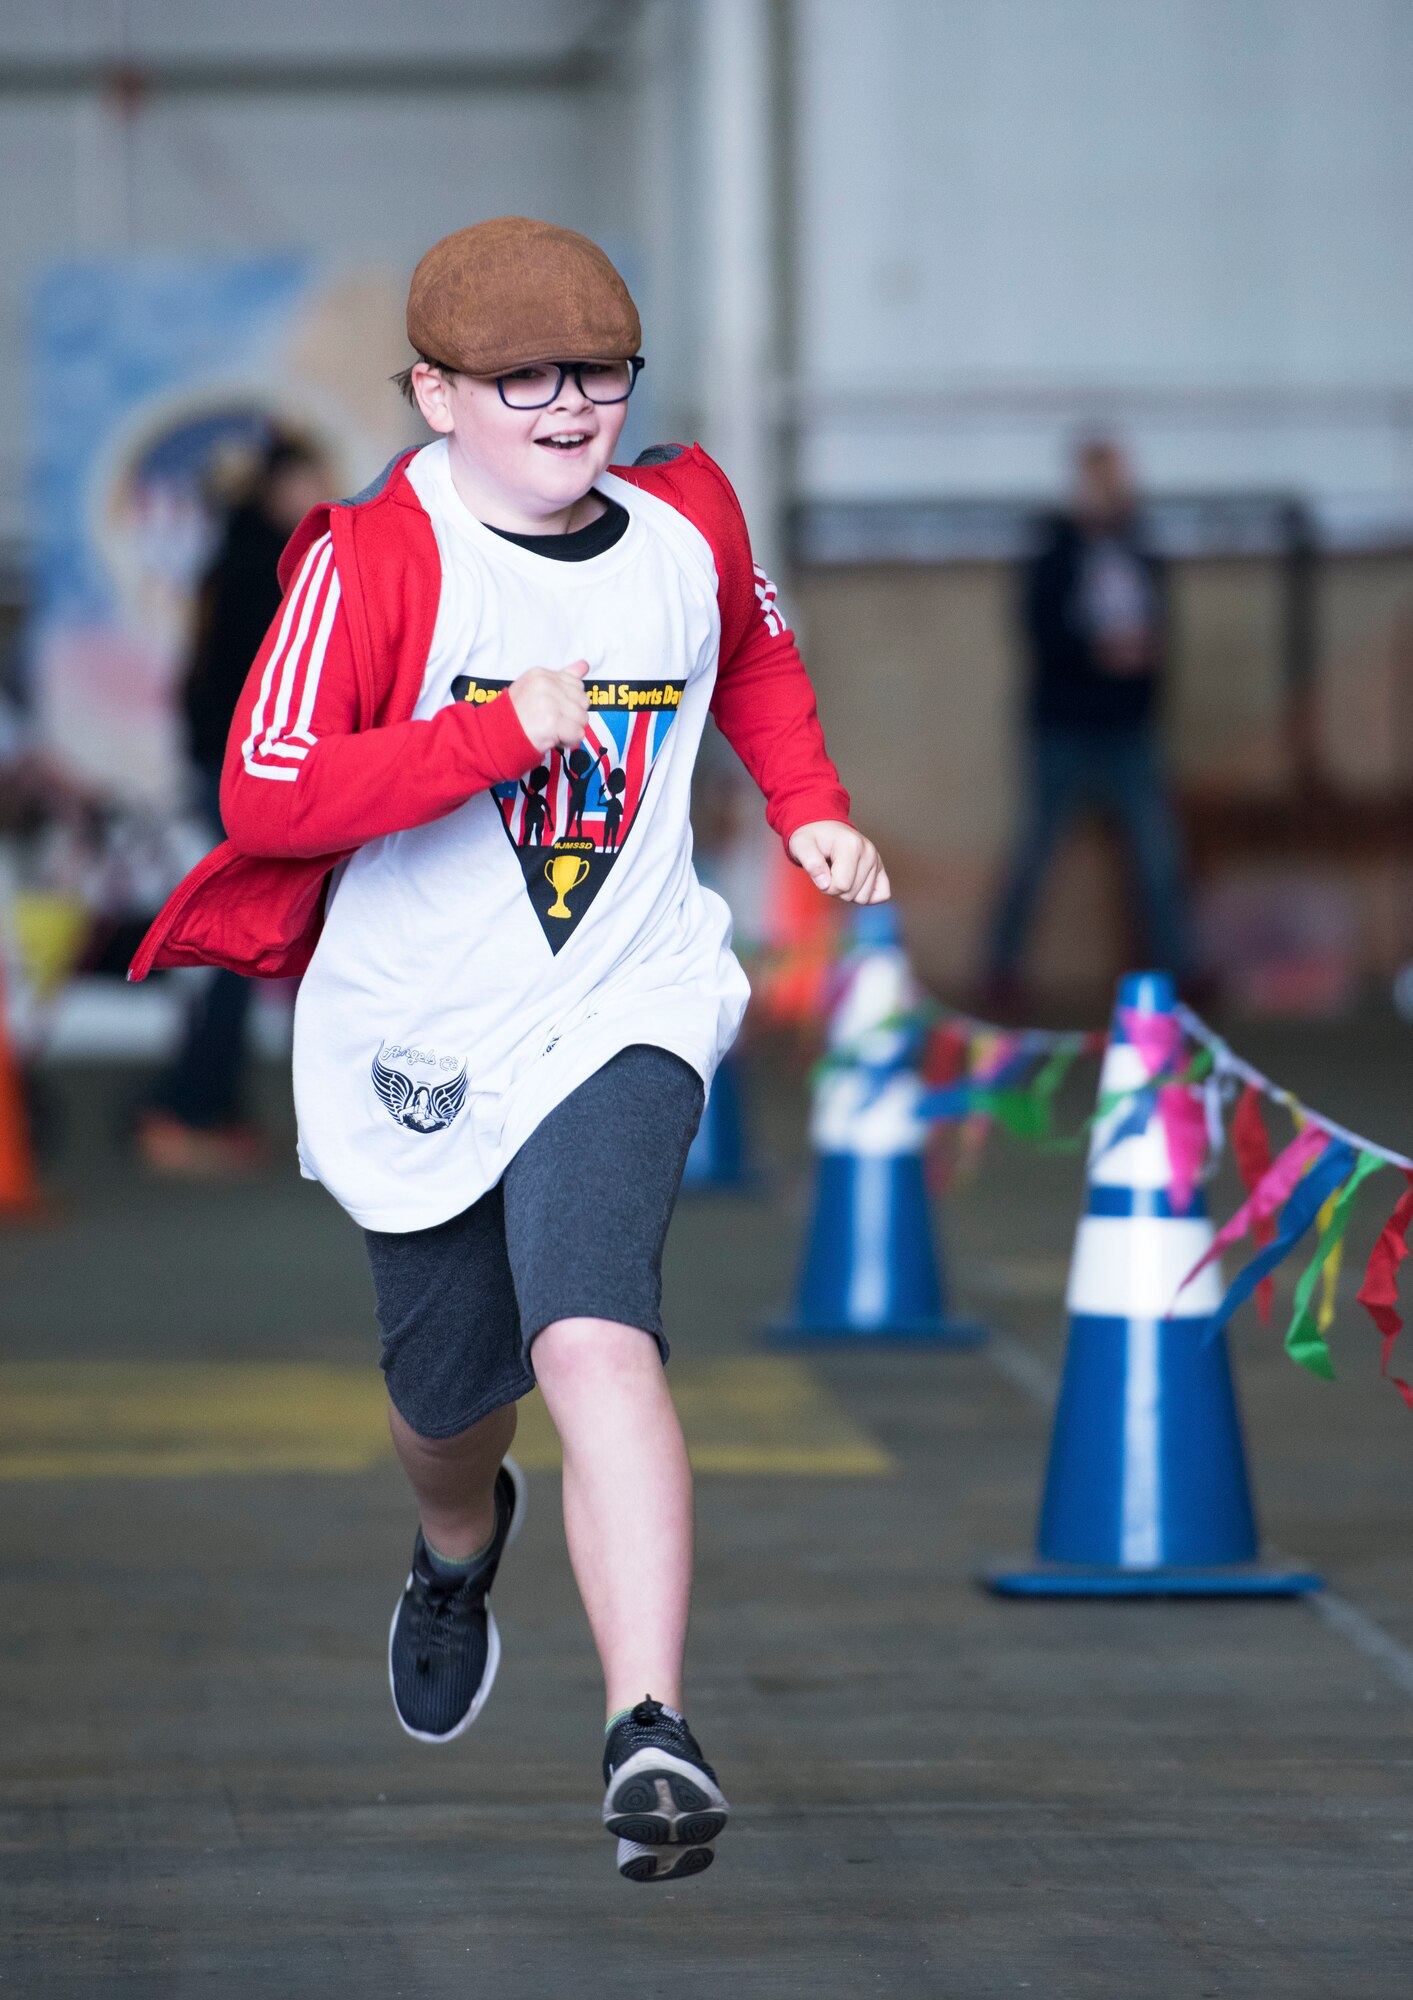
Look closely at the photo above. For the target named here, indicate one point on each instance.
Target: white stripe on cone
(873, 1189)
(1141, 1494)
(1130, 1267)
(1138, 1162)
(868, 1107)
(857, 1111)
(876, 987)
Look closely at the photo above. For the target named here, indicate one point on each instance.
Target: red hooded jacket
(356, 767)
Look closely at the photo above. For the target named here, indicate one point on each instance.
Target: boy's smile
(528, 471)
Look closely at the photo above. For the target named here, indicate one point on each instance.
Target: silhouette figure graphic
(537, 811)
(580, 765)
(614, 786)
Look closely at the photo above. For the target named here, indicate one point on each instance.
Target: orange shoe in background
(20, 1199)
(186, 1152)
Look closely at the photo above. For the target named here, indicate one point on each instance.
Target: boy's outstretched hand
(840, 861)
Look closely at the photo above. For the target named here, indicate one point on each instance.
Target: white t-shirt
(471, 973)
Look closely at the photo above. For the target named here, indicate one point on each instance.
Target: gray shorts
(573, 1230)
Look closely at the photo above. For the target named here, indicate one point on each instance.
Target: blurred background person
(197, 1119)
(32, 779)
(1093, 615)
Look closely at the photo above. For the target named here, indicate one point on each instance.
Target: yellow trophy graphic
(564, 872)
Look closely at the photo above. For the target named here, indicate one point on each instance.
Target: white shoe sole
(657, 1800)
(637, 1863)
(488, 1679)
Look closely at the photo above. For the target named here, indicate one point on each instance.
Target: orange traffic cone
(20, 1199)
(802, 942)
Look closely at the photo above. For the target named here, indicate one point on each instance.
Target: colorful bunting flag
(1028, 1110)
(976, 1075)
(1183, 1112)
(1379, 1292)
(1213, 1101)
(1305, 1341)
(1329, 1280)
(1156, 1037)
(1329, 1167)
(1271, 1190)
(1139, 1105)
(1252, 1149)
(946, 1055)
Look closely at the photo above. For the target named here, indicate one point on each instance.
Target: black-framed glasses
(536, 386)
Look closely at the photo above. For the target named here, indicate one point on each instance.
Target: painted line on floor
(1027, 1371)
(744, 1415)
(1366, 1636)
(1023, 1368)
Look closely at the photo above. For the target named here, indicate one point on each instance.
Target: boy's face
(537, 461)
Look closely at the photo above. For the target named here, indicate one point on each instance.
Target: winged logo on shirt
(569, 817)
(421, 1107)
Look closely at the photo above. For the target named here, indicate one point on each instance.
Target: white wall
(1192, 217)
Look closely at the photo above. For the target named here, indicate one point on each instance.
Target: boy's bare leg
(627, 1500)
(454, 1479)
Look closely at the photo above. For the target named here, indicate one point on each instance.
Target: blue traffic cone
(1146, 1492)
(871, 1268)
(718, 1155)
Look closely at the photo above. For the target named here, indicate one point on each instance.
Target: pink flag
(1271, 1192)
(1184, 1117)
(1157, 1037)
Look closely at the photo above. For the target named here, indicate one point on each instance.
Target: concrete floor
(203, 1790)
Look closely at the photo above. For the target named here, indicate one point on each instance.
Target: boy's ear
(433, 393)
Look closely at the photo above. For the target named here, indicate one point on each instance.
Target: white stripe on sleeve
(273, 749)
(770, 610)
(287, 623)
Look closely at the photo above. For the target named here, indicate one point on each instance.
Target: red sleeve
(301, 779)
(764, 702)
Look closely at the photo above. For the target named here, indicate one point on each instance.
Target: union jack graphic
(581, 804)
(592, 793)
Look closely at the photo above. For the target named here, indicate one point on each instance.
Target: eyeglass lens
(534, 387)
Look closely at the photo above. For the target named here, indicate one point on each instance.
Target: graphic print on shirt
(420, 1106)
(568, 818)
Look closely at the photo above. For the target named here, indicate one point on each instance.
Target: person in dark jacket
(1093, 608)
(196, 1120)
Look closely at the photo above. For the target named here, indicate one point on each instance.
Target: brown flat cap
(509, 291)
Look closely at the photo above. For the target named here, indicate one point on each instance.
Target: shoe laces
(438, 1613)
(649, 1722)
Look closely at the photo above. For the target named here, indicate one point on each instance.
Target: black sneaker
(661, 1864)
(443, 1648)
(661, 1790)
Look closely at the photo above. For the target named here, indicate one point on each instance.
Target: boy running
(484, 996)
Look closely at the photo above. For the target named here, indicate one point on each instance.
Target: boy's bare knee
(568, 1349)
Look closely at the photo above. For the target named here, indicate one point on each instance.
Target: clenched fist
(551, 705)
(839, 860)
